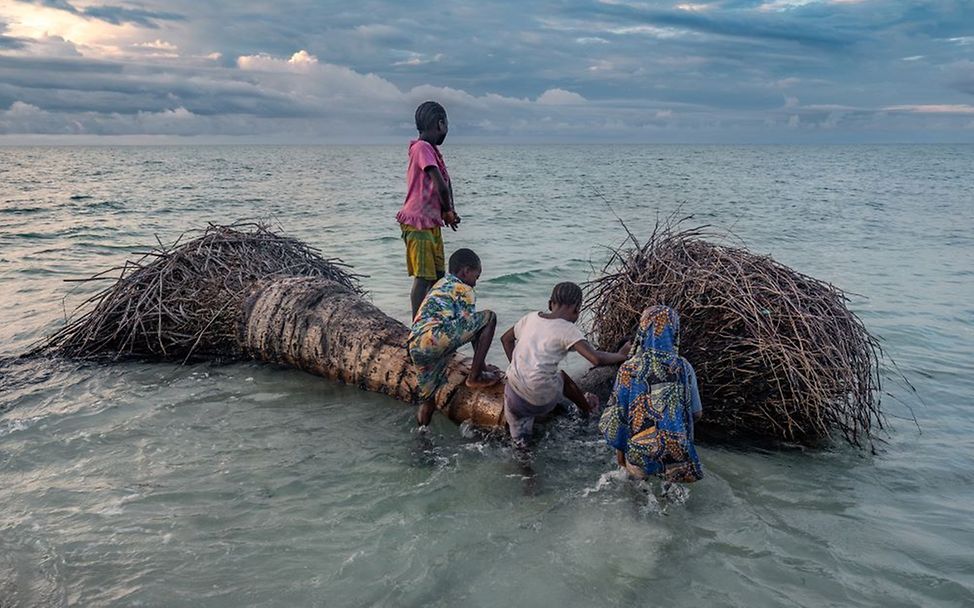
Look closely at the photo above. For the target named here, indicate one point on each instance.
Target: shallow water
(160, 485)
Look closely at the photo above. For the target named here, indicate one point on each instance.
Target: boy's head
(567, 298)
(431, 121)
(465, 265)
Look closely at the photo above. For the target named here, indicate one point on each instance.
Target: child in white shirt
(535, 346)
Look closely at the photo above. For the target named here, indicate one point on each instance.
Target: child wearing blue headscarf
(650, 416)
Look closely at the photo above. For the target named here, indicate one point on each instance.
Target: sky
(305, 71)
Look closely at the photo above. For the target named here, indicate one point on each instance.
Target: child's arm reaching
(587, 403)
(601, 357)
(446, 197)
(507, 341)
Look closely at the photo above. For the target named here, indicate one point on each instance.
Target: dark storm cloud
(9, 42)
(111, 87)
(116, 15)
(752, 25)
(58, 4)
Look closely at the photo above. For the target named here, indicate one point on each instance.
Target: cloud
(689, 6)
(932, 108)
(560, 97)
(19, 108)
(115, 15)
(118, 15)
(417, 59)
(591, 40)
(160, 45)
(301, 61)
(57, 4)
(647, 30)
(734, 23)
(10, 42)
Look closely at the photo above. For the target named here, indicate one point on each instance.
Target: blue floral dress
(650, 413)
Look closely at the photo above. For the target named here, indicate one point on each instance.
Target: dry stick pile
(181, 301)
(778, 353)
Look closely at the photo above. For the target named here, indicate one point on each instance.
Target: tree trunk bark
(325, 329)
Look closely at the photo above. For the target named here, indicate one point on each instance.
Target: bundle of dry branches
(181, 301)
(778, 353)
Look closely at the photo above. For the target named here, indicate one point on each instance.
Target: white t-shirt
(541, 345)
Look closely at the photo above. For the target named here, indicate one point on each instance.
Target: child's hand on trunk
(593, 403)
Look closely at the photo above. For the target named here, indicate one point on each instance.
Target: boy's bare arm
(507, 341)
(575, 394)
(446, 199)
(601, 357)
(445, 191)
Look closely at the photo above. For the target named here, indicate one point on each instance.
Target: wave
(533, 275)
(107, 204)
(23, 210)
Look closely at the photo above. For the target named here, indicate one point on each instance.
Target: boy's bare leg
(586, 402)
(420, 288)
(425, 412)
(479, 377)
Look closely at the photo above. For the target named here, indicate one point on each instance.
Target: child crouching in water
(448, 319)
(655, 403)
(535, 346)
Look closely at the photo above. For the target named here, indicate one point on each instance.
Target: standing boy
(428, 204)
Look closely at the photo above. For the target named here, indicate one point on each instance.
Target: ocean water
(142, 484)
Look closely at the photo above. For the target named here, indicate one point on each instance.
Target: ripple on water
(31, 570)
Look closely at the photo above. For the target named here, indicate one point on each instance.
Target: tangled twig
(179, 302)
(778, 353)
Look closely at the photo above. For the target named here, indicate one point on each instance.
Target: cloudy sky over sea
(306, 71)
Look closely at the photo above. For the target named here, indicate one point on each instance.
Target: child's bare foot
(593, 403)
(425, 413)
(482, 380)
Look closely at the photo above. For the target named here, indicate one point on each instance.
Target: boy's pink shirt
(422, 207)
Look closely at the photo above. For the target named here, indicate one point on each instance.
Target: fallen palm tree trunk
(778, 354)
(329, 330)
(241, 291)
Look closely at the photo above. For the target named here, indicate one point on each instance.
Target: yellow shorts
(424, 252)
